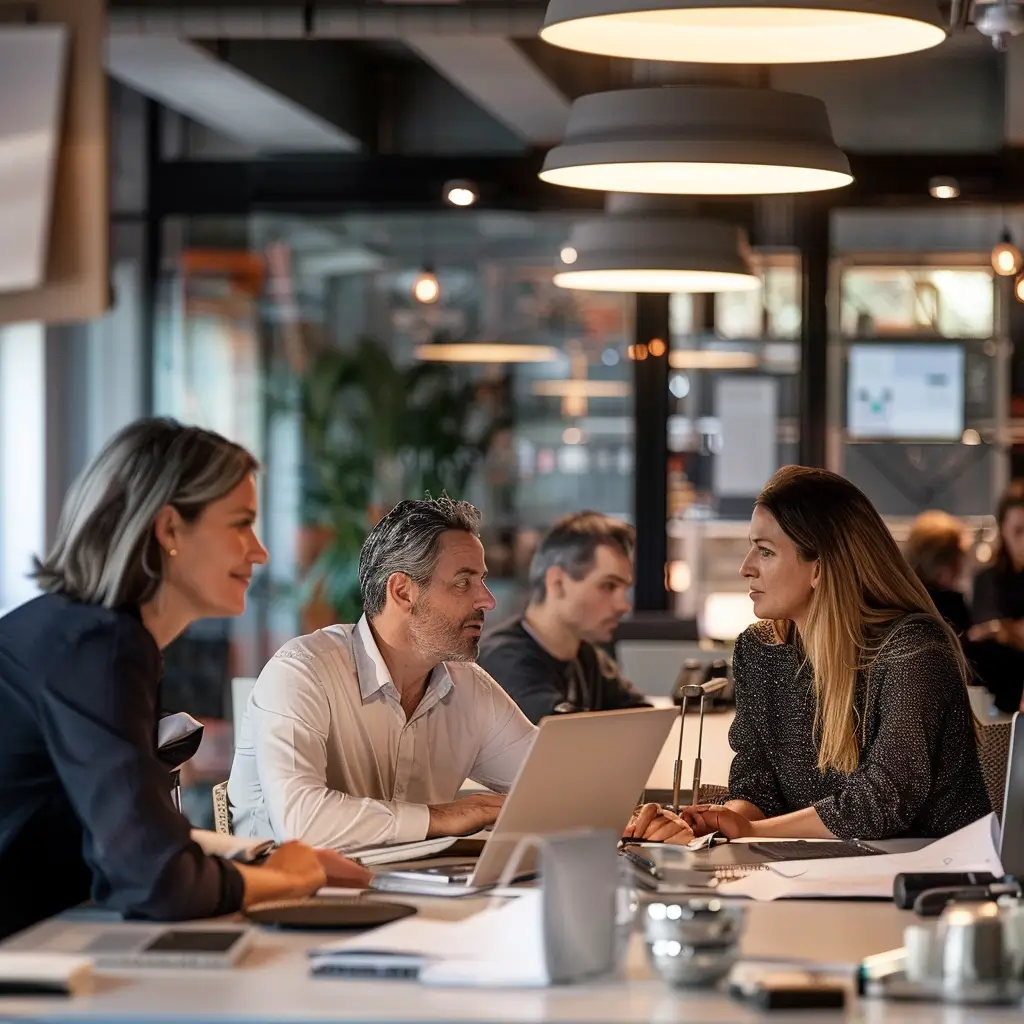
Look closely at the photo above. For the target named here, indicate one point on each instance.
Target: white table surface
(272, 984)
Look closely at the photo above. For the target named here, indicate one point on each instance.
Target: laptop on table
(583, 771)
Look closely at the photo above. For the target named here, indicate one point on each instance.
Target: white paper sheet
(503, 945)
(974, 848)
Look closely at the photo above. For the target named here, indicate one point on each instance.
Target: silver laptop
(583, 771)
(1011, 840)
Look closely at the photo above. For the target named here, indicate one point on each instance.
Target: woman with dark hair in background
(997, 606)
(157, 533)
(852, 713)
(935, 551)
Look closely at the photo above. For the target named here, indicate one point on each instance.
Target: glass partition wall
(919, 386)
(373, 356)
(370, 357)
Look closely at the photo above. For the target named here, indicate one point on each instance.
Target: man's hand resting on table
(465, 816)
(659, 824)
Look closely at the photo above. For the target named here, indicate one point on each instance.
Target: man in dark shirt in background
(549, 660)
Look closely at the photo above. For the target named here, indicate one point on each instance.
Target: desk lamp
(694, 691)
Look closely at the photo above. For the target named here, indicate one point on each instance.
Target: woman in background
(997, 606)
(157, 533)
(852, 714)
(935, 551)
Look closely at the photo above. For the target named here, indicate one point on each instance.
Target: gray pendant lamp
(698, 140)
(651, 244)
(744, 31)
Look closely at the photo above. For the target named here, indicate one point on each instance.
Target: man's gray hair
(106, 551)
(408, 540)
(572, 546)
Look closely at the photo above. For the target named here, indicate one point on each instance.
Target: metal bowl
(692, 942)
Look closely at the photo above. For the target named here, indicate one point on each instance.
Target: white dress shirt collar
(374, 675)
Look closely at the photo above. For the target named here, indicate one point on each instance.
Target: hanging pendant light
(426, 288)
(1018, 288)
(1006, 257)
(698, 140)
(744, 31)
(649, 244)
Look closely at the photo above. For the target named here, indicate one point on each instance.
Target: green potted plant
(376, 432)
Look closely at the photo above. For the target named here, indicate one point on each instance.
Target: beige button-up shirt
(326, 754)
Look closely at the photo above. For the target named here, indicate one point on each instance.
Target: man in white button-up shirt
(364, 734)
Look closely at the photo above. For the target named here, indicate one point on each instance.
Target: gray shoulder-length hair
(106, 550)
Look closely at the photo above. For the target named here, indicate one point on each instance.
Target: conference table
(272, 984)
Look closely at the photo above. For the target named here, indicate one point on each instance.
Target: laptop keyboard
(800, 850)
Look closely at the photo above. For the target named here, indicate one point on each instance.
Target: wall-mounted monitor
(905, 391)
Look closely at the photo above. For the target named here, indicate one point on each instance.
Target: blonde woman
(852, 715)
(157, 533)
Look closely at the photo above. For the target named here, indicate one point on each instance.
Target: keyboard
(798, 849)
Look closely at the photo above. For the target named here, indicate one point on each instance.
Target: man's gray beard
(439, 643)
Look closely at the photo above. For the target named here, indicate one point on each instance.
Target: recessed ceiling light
(568, 254)
(461, 193)
(944, 188)
(697, 140)
(744, 31)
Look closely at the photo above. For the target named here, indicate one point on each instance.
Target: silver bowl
(692, 942)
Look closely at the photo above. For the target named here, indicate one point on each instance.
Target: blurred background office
(328, 241)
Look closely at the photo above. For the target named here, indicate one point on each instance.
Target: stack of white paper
(499, 946)
(396, 853)
(974, 848)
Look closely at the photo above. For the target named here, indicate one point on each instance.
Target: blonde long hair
(864, 587)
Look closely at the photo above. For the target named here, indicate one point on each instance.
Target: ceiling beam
(495, 73)
(191, 80)
(510, 182)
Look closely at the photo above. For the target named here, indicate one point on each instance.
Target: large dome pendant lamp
(744, 31)
(653, 244)
(698, 140)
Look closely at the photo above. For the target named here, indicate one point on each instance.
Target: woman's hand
(343, 872)
(711, 818)
(657, 824)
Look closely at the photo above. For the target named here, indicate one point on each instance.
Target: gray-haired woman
(157, 533)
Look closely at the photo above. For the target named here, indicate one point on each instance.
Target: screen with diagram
(905, 391)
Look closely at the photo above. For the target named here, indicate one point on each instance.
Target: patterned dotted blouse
(919, 773)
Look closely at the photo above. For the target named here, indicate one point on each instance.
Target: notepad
(974, 848)
(396, 853)
(25, 974)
